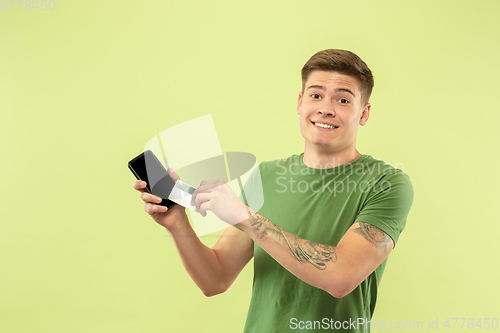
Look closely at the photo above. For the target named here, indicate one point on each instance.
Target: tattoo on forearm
(303, 250)
(374, 235)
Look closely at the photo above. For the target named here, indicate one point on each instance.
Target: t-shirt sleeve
(388, 204)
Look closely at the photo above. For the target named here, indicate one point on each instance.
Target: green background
(84, 87)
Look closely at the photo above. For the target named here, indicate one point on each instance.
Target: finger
(204, 207)
(212, 182)
(152, 208)
(173, 174)
(146, 197)
(206, 188)
(199, 190)
(200, 200)
(139, 185)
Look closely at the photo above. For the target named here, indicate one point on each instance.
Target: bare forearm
(335, 269)
(311, 262)
(200, 261)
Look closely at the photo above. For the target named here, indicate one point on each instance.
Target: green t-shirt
(320, 205)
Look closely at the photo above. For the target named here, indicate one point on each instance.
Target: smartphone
(148, 168)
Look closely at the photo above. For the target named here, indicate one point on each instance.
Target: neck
(319, 159)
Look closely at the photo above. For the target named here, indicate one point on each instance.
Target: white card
(181, 194)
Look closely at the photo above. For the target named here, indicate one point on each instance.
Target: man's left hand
(216, 196)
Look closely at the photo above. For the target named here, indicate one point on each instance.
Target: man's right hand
(212, 269)
(163, 216)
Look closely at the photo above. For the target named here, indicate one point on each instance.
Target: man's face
(331, 110)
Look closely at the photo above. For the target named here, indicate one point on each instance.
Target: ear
(299, 103)
(365, 114)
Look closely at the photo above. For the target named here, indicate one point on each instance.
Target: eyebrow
(315, 86)
(346, 90)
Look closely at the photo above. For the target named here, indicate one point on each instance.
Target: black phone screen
(148, 168)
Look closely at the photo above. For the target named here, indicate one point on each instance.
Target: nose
(326, 108)
(326, 112)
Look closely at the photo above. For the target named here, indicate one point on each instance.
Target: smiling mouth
(326, 126)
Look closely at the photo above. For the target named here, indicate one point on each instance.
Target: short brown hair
(343, 62)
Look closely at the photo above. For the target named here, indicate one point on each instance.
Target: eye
(315, 96)
(343, 101)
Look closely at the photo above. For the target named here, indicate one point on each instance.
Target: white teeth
(323, 125)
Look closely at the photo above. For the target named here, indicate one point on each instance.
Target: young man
(331, 215)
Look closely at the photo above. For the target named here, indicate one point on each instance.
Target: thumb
(173, 174)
